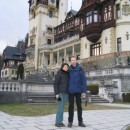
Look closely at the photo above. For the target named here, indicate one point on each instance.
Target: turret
(63, 8)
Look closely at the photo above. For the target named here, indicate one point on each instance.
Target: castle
(98, 34)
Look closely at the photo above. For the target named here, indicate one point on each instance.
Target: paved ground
(94, 119)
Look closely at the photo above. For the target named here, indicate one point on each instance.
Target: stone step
(98, 99)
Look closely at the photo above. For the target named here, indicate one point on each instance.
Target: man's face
(73, 61)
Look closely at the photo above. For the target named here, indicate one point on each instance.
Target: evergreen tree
(20, 72)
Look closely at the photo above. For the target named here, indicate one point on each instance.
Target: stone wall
(12, 97)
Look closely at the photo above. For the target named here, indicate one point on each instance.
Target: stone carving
(107, 13)
(126, 9)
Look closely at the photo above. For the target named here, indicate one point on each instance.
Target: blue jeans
(60, 109)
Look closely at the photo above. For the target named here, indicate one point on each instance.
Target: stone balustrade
(10, 86)
(109, 72)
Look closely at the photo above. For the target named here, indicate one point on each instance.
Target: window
(5, 72)
(78, 57)
(48, 41)
(31, 41)
(95, 49)
(119, 44)
(49, 30)
(92, 16)
(95, 15)
(13, 72)
(52, 1)
(118, 13)
(50, 14)
(89, 18)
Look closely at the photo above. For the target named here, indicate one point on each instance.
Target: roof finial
(71, 4)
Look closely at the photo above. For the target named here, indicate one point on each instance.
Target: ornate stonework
(126, 9)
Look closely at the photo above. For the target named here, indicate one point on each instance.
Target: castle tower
(63, 9)
(43, 17)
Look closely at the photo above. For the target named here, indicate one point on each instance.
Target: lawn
(42, 109)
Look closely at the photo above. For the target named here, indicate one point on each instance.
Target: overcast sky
(14, 24)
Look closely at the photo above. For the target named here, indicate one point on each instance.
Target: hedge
(94, 89)
(126, 97)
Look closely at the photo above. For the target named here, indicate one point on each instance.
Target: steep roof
(71, 14)
(14, 53)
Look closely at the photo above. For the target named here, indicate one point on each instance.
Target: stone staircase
(98, 99)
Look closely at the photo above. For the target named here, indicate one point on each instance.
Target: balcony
(52, 4)
(109, 72)
(29, 66)
(66, 41)
(30, 49)
(93, 32)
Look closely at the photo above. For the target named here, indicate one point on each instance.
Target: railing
(30, 49)
(65, 41)
(107, 72)
(10, 86)
(29, 65)
(70, 39)
(106, 56)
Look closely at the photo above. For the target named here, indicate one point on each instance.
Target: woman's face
(65, 68)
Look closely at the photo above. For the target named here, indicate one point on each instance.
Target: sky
(14, 20)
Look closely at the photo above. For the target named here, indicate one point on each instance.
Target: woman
(61, 92)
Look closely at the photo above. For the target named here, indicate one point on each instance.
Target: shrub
(94, 89)
(126, 97)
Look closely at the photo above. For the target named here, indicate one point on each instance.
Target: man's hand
(83, 96)
(57, 96)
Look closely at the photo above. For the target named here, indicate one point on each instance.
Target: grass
(121, 102)
(43, 109)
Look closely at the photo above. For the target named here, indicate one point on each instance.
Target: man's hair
(74, 57)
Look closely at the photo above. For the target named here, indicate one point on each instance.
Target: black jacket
(61, 82)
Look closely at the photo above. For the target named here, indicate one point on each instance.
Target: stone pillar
(58, 57)
(64, 55)
(73, 50)
(43, 58)
(51, 58)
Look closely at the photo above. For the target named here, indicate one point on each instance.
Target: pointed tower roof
(70, 14)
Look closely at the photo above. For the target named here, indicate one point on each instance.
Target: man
(77, 89)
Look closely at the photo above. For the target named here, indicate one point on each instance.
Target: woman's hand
(57, 96)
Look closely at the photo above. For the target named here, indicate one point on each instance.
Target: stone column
(51, 58)
(73, 50)
(65, 55)
(43, 58)
(58, 57)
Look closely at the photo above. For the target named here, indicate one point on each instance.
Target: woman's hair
(64, 65)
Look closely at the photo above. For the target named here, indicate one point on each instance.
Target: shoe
(58, 125)
(81, 124)
(62, 125)
(70, 124)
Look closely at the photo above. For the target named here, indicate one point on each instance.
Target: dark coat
(61, 82)
(77, 82)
